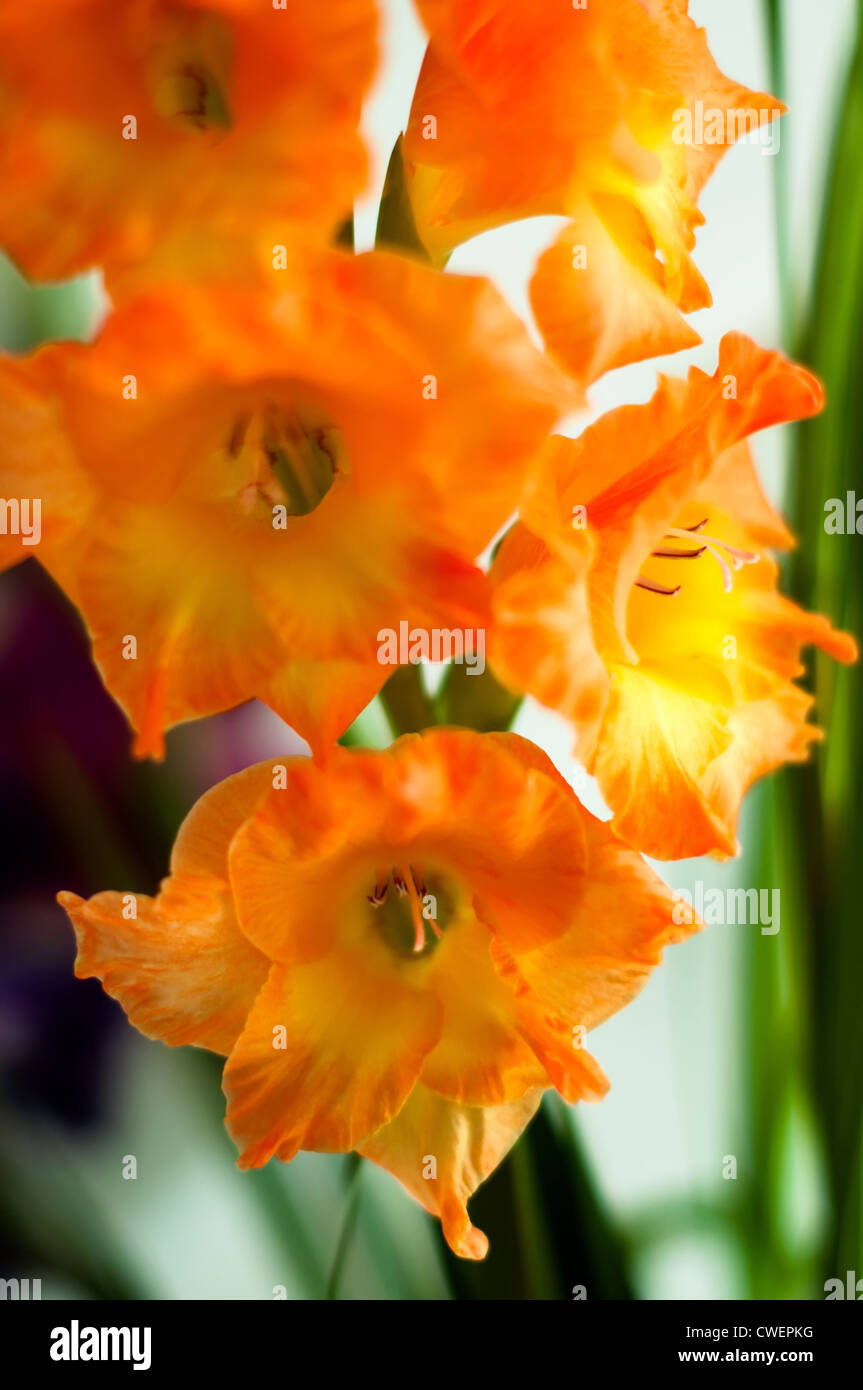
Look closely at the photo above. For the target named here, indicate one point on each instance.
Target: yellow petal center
(691, 543)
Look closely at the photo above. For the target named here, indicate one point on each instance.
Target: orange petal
(302, 865)
(47, 494)
(449, 798)
(204, 838)
(431, 437)
(181, 969)
(580, 979)
(491, 803)
(633, 471)
(246, 118)
(481, 1058)
(572, 982)
(320, 699)
(330, 1053)
(736, 488)
(660, 688)
(542, 635)
(656, 744)
(600, 295)
(441, 1151)
(305, 862)
(608, 132)
(498, 833)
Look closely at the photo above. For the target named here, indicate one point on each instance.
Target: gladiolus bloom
(396, 954)
(176, 131)
(240, 491)
(612, 115)
(638, 597)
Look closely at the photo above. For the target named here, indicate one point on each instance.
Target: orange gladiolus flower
(396, 954)
(652, 627)
(240, 491)
(162, 131)
(613, 115)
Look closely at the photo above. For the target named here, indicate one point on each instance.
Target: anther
(735, 560)
(728, 558)
(409, 882)
(653, 588)
(679, 554)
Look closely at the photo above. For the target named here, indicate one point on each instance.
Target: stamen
(283, 458)
(301, 461)
(679, 554)
(653, 588)
(684, 554)
(238, 434)
(410, 884)
(382, 883)
(737, 558)
(727, 557)
(403, 918)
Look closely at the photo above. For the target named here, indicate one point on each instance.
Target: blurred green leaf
(405, 702)
(476, 701)
(33, 314)
(818, 809)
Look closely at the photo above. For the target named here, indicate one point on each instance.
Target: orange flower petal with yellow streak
(356, 1036)
(429, 800)
(590, 137)
(481, 1057)
(181, 968)
(465, 1143)
(265, 941)
(220, 603)
(407, 807)
(674, 732)
(246, 116)
(614, 308)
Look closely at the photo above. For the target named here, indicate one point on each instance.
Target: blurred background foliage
(752, 1044)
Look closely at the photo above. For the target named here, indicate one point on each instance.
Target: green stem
(476, 701)
(775, 24)
(354, 1171)
(822, 804)
(405, 702)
